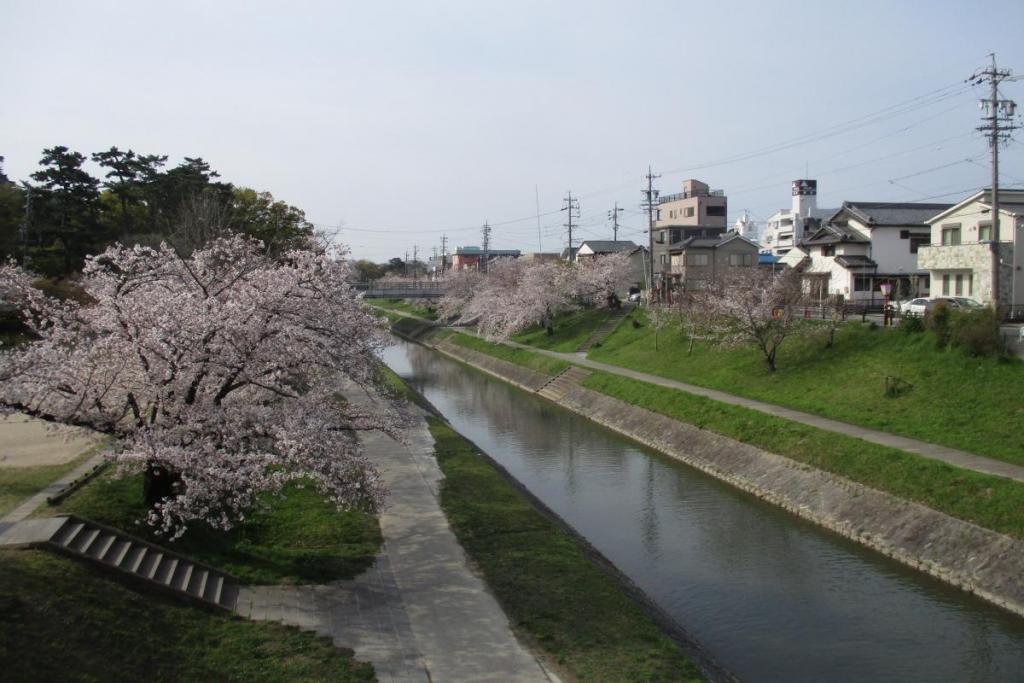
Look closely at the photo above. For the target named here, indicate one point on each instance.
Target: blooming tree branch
(224, 368)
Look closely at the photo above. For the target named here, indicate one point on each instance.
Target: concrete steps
(561, 383)
(607, 327)
(160, 567)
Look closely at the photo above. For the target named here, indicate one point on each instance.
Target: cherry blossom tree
(751, 306)
(221, 370)
(603, 277)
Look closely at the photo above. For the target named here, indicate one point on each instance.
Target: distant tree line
(51, 222)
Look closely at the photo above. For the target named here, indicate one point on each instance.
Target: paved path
(925, 449)
(30, 504)
(420, 608)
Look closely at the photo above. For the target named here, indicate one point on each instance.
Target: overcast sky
(403, 121)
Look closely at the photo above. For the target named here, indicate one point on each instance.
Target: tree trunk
(159, 484)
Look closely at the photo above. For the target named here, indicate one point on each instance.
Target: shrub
(938, 321)
(977, 332)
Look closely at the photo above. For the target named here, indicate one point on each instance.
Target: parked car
(966, 303)
(918, 307)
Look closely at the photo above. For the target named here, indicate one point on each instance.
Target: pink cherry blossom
(226, 368)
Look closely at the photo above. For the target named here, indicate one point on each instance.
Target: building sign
(805, 187)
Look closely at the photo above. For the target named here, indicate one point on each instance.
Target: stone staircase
(606, 328)
(561, 383)
(141, 560)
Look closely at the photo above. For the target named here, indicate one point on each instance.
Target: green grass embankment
(551, 591)
(534, 361)
(570, 330)
(992, 502)
(298, 538)
(20, 483)
(420, 310)
(975, 404)
(67, 621)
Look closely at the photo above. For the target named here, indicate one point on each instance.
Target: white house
(864, 244)
(786, 228)
(962, 253)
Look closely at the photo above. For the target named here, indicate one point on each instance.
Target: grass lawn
(414, 307)
(571, 330)
(534, 361)
(549, 588)
(992, 502)
(66, 621)
(301, 539)
(976, 404)
(19, 483)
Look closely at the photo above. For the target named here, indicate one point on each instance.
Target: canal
(769, 596)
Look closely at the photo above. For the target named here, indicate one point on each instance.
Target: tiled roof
(608, 246)
(894, 213)
(832, 234)
(855, 261)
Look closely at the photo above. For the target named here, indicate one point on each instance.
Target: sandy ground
(27, 442)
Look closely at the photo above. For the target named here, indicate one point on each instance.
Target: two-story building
(698, 260)
(864, 244)
(962, 254)
(697, 211)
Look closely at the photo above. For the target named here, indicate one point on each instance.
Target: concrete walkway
(420, 614)
(925, 449)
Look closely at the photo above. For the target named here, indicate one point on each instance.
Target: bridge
(425, 289)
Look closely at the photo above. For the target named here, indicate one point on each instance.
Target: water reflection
(772, 597)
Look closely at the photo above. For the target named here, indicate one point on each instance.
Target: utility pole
(651, 204)
(444, 250)
(486, 233)
(415, 250)
(997, 126)
(572, 207)
(614, 216)
(405, 270)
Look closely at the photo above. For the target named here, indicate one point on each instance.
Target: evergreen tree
(66, 220)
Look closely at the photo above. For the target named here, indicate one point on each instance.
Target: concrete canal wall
(980, 561)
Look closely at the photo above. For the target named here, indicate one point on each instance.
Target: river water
(769, 596)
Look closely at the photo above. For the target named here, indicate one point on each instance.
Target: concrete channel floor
(420, 613)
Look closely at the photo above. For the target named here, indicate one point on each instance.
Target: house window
(862, 283)
(904, 234)
(959, 284)
(984, 232)
(970, 283)
(676, 235)
(748, 259)
(951, 234)
(735, 259)
(830, 250)
(664, 259)
(715, 211)
(918, 242)
(661, 237)
(688, 211)
(945, 284)
(697, 259)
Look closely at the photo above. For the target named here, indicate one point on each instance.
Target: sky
(395, 123)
